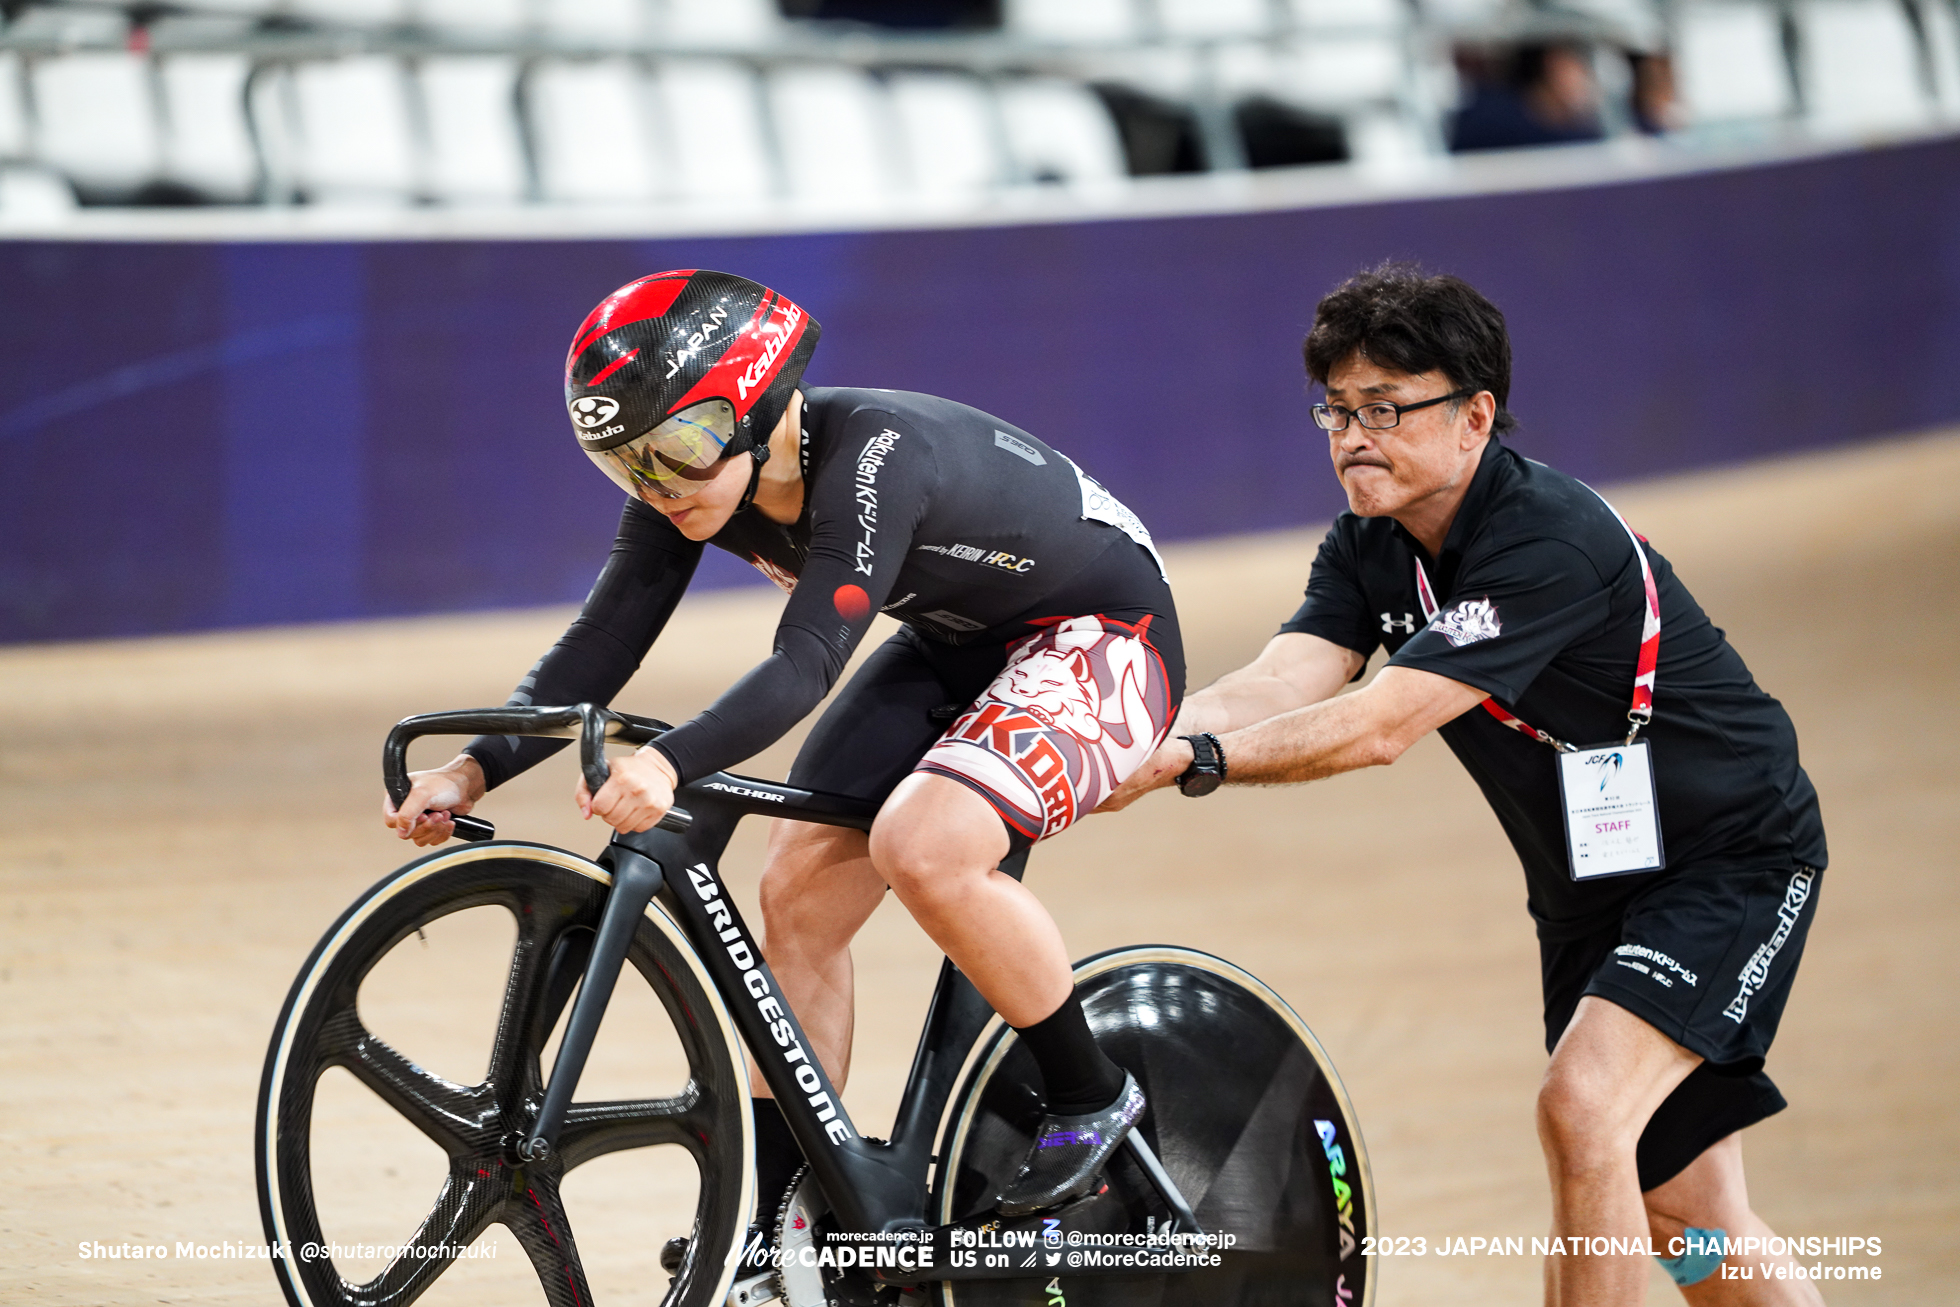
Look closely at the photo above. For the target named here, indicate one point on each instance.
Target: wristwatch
(1207, 770)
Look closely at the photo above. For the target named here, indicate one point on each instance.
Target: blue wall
(197, 436)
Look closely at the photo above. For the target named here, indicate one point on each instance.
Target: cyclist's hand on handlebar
(434, 797)
(636, 795)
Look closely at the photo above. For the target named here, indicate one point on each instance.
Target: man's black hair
(1400, 317)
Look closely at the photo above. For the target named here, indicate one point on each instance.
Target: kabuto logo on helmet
(592, 411)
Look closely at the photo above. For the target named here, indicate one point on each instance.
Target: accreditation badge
(1612, 825)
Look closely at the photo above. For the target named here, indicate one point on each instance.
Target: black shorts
(1706, 958)
(1043, 727)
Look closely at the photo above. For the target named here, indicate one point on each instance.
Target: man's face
(1427, 453)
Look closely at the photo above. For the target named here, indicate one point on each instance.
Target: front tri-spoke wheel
(341, 1058)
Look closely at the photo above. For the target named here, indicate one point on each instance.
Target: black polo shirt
(1557, 645)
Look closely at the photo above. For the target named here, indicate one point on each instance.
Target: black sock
(776, 1160)
(1076, 1074)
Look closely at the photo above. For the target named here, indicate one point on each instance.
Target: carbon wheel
(1246, 1114)
(553, 899)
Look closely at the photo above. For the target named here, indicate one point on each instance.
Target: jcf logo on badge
(1609, 765)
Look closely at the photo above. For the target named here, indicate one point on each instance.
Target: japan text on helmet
(673, 372)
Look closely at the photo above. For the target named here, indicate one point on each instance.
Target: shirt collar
(1483, 484)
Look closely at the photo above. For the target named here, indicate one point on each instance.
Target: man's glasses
(1378, 416)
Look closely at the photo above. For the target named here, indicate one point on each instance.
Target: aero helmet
(676, 371)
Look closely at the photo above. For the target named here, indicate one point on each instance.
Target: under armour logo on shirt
(1407, 623)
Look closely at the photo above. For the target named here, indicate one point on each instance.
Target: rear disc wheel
(1245, 1112)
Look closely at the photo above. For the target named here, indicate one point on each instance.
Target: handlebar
(587, 723)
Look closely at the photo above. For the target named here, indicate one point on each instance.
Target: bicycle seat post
(636, 879)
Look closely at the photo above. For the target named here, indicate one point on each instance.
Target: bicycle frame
(874, 1187)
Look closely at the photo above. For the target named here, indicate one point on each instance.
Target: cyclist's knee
(933, 835)
(921, 862)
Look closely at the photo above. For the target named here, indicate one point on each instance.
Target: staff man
(1671, 842)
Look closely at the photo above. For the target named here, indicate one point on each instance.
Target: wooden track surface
(180, 819)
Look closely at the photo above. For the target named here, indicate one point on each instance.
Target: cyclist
(1037, 664)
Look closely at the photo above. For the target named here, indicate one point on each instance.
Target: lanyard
(1642, 710)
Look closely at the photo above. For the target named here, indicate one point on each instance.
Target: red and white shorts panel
(1078, 708)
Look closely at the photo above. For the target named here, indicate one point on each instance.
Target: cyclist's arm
(864, 511)
(643, 579)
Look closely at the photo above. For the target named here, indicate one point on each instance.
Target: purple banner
(209, 435)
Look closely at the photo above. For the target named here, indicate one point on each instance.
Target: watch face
(1196, 787)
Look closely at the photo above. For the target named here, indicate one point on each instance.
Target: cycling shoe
(1069, 1151)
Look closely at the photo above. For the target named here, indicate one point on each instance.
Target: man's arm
(1293, 671)
(1323, 737)
(1370, 728)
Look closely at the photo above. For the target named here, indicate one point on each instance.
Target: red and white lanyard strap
(1642, 710)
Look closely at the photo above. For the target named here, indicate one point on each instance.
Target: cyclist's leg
(818, 885)
(940, 845)
(1077, 708)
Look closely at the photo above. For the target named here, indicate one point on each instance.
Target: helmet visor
(676, 458)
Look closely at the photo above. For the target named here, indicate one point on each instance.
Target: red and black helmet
(673, 372)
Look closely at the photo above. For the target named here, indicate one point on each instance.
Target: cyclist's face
(707, 510)
(1428, 452)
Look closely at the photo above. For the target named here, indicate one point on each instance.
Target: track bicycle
(1245, 1183)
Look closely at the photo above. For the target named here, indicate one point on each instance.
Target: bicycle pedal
(754, 1289)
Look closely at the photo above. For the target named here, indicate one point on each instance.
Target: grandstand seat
(1388, 141)
(69, 26)
(1349, 15)
(716, 133)
(592, 128)
(1059, 131)
(1213, 19)
(355, 141)
(719, 22)
(1637, 24)
(472, 17)
(244, 8)
(475, 154)
(33, 195)
(13, 108)
(1859, 65)
(1471, 16)
(1942, 28)
(1730, 66)
(350, 13)
(594, 23)
(949, 133)
(96, 121)
(207, 145)
(1088, 21)
(834, 126)
(1343, 70)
